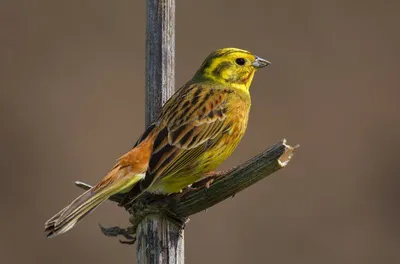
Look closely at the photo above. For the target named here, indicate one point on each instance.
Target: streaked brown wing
(188, 134)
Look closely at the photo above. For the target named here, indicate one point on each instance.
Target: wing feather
(188, 134)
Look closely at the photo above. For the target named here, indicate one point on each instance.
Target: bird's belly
(208, 161)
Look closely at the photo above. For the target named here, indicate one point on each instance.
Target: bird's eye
(240, 61)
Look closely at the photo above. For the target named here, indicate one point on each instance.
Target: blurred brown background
(72, 92)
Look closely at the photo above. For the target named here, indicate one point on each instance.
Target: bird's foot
(208, 183)
(114, 231)
(205, 182)
(185, 191)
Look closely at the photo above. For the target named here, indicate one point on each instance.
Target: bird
(197, 129)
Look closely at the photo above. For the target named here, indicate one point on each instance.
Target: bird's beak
(260, 63)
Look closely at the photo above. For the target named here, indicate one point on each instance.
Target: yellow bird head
(231, 66)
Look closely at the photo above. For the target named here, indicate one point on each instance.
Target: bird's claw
(117, 231)
(208, 183)
(205, 182)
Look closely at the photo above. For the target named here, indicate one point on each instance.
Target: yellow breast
(216, 151)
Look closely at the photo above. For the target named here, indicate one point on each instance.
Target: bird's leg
(114, 231)
(207, 180)
(188, 189)
(208, 183)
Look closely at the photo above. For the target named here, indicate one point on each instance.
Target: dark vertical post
(158, 239)
(160, 55)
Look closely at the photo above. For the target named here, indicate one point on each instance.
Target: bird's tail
(68, 217)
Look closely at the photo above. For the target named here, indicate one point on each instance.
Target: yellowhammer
(198, 128)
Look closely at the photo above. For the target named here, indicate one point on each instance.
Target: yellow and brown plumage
(198, 128)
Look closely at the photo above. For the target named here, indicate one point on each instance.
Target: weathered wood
(159, 241)
(160, 55)
(230, 182)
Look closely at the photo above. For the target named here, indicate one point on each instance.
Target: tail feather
(73, 213)
(82, 206)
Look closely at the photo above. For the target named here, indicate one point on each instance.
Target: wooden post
(160, 56)
(158, 239)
